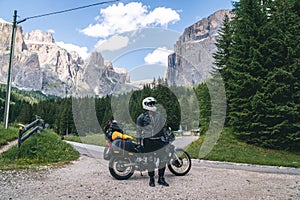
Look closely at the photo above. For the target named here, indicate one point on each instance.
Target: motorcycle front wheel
(121, 168)
(180, 162)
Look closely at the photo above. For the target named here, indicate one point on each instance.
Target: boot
(161, 181)
(152, 182)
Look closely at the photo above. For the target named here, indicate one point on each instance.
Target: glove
(163, 139)
(139, 148)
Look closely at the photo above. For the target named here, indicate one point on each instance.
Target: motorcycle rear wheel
(121, 168)
(182, 165)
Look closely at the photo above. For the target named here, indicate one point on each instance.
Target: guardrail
(33, 127)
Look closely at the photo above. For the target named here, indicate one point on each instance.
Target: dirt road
(88, 178)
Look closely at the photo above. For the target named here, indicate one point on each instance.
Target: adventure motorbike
(124, 158)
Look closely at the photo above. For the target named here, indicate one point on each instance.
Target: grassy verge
(95, 139)
(7, 135)
(231, 150)
(43, 148)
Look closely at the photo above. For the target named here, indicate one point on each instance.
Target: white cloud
(158, 56)
(162, 16)
(113, 43)
(122, 18)
(51, 31)
(82, 51)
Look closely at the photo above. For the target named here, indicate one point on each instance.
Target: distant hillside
(22, 95)
(21, 104)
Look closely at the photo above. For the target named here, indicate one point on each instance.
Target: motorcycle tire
(182, 165)
(121, 168)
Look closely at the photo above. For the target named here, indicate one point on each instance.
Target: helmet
(149, 104)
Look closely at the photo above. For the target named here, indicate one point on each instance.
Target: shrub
(42, 148)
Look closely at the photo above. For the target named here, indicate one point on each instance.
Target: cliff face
(40, 64)
(5, 37)
(192, 59)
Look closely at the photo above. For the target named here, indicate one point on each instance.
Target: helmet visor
(152, 103)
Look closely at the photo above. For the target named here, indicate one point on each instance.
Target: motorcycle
(124, 158)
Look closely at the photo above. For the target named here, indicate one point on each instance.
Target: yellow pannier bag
(118, 135)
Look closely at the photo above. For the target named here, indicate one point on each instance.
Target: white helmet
(149, 104)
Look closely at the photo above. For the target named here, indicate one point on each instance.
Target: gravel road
(88, 178)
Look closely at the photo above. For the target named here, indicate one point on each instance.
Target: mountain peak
(38, 36)
(2, 21)
(192, 59)
(42, 65)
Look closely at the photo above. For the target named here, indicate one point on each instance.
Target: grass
(41, 149)
(95, 139)
(7, 135)
(231, 150)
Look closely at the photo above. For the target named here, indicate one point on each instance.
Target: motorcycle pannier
(123, 146)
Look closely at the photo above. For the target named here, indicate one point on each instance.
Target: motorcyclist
(150, 125)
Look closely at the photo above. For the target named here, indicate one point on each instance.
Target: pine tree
(25, 115)
(170, 104)
(66, 122)
(243, 76)
(204, 106)
(277, 120)
(223, 44)
(260, 67)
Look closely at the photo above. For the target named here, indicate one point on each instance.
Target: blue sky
(113, 26)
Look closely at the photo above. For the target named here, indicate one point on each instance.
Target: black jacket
(150, 125)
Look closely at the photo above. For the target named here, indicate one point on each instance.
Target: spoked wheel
(180, 163)
(121, 168)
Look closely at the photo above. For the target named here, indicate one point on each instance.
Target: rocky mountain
(192, 59)
(40, 64)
